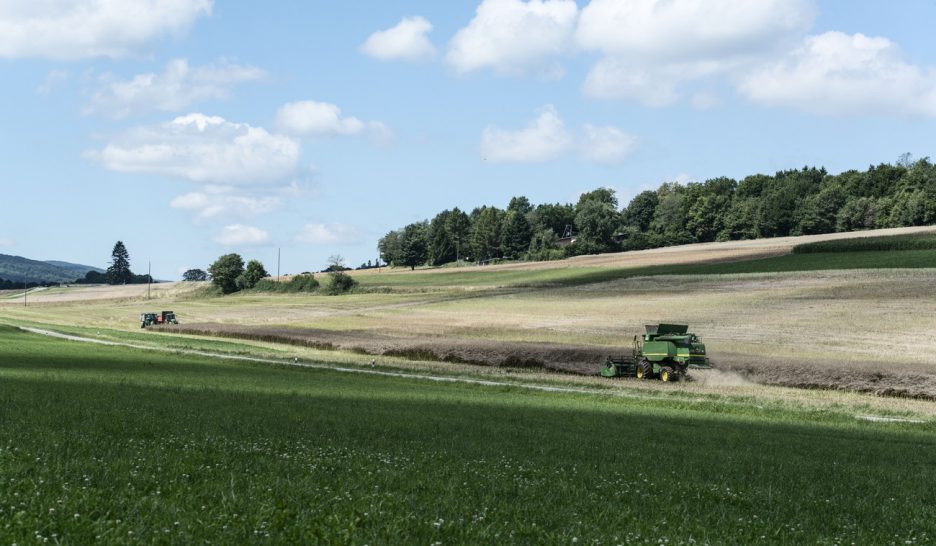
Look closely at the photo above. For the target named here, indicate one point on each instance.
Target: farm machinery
(665, 351)
(149, 319)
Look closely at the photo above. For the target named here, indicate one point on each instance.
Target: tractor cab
(165, 317)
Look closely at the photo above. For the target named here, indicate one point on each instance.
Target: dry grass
(866, 330)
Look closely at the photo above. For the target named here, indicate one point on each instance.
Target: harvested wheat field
(871, 329)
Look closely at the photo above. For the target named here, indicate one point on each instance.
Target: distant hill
(19, 269)
(79, 269)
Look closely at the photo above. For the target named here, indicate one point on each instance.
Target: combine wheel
(644, 369)
(667, 374)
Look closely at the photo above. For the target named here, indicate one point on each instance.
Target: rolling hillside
(19, 269)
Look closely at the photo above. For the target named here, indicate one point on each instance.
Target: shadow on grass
(326, 440)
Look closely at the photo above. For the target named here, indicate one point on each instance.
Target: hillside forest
(793, 202)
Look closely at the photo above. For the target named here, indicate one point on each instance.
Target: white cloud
(704, 100)
(543, 139)
(510, 36)
(841, 74)
(681, 178)
(241, 235)
(311, 118)
(546, 138)
(406, 41)
(53, 79)
(653, 47)
(606, 144)
(329, 234)
(213, 206)
(689, 30)
(612, 78)
(179, 86)
(380, 134)
(204, 149)
(76, 29)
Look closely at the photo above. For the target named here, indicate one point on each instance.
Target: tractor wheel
(667, 375)
(644, 369)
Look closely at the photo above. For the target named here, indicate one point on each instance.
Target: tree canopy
(119, 270)
(225, 271)
(195, 275)
(791, 202)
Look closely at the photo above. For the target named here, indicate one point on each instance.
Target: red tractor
(166, 317)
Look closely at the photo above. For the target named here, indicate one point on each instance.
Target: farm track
(865, 377)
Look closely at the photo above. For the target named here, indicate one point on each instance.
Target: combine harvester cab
(665, 351)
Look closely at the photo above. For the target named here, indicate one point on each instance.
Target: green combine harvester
(666, 351)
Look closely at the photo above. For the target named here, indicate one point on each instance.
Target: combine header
(666, 351)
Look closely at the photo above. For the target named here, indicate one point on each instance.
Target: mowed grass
(120, 446)
(578, 276)
(916, 241)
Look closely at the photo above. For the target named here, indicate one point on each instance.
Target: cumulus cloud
(241, 235)
(618, 79)
(203, 149)
(841, 74)
(510, 36)
(328, 234)
(177, 87)
(689, 30)
(77, 29)
(543, 139)
(407, 41)
(652, 47)
(606, 144)
(317, 119)
(546, 138)
(207, 206)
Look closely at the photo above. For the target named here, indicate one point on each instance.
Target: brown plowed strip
(868, 377)
(578, 359)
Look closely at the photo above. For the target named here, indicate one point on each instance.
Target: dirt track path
(365, 371)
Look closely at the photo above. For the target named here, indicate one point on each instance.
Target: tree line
(6, 284)
(792, 202)
(229, 274)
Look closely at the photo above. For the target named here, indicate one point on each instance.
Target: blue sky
(193, 128)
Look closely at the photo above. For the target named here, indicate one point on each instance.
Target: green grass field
(917, 241)
(805, 261)
(119, 446)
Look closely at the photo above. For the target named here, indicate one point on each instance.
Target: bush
(340, 282)
(298, 283)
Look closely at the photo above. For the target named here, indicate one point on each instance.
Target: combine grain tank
(666, 351)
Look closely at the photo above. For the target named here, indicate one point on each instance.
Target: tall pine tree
(119, 270)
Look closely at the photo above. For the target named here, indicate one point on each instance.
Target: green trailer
(665, 351)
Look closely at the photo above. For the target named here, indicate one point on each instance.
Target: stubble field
(861, 321)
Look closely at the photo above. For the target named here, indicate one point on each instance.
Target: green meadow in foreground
(119, 446)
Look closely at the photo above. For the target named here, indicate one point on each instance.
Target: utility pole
(277, 263)
(149, 278)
